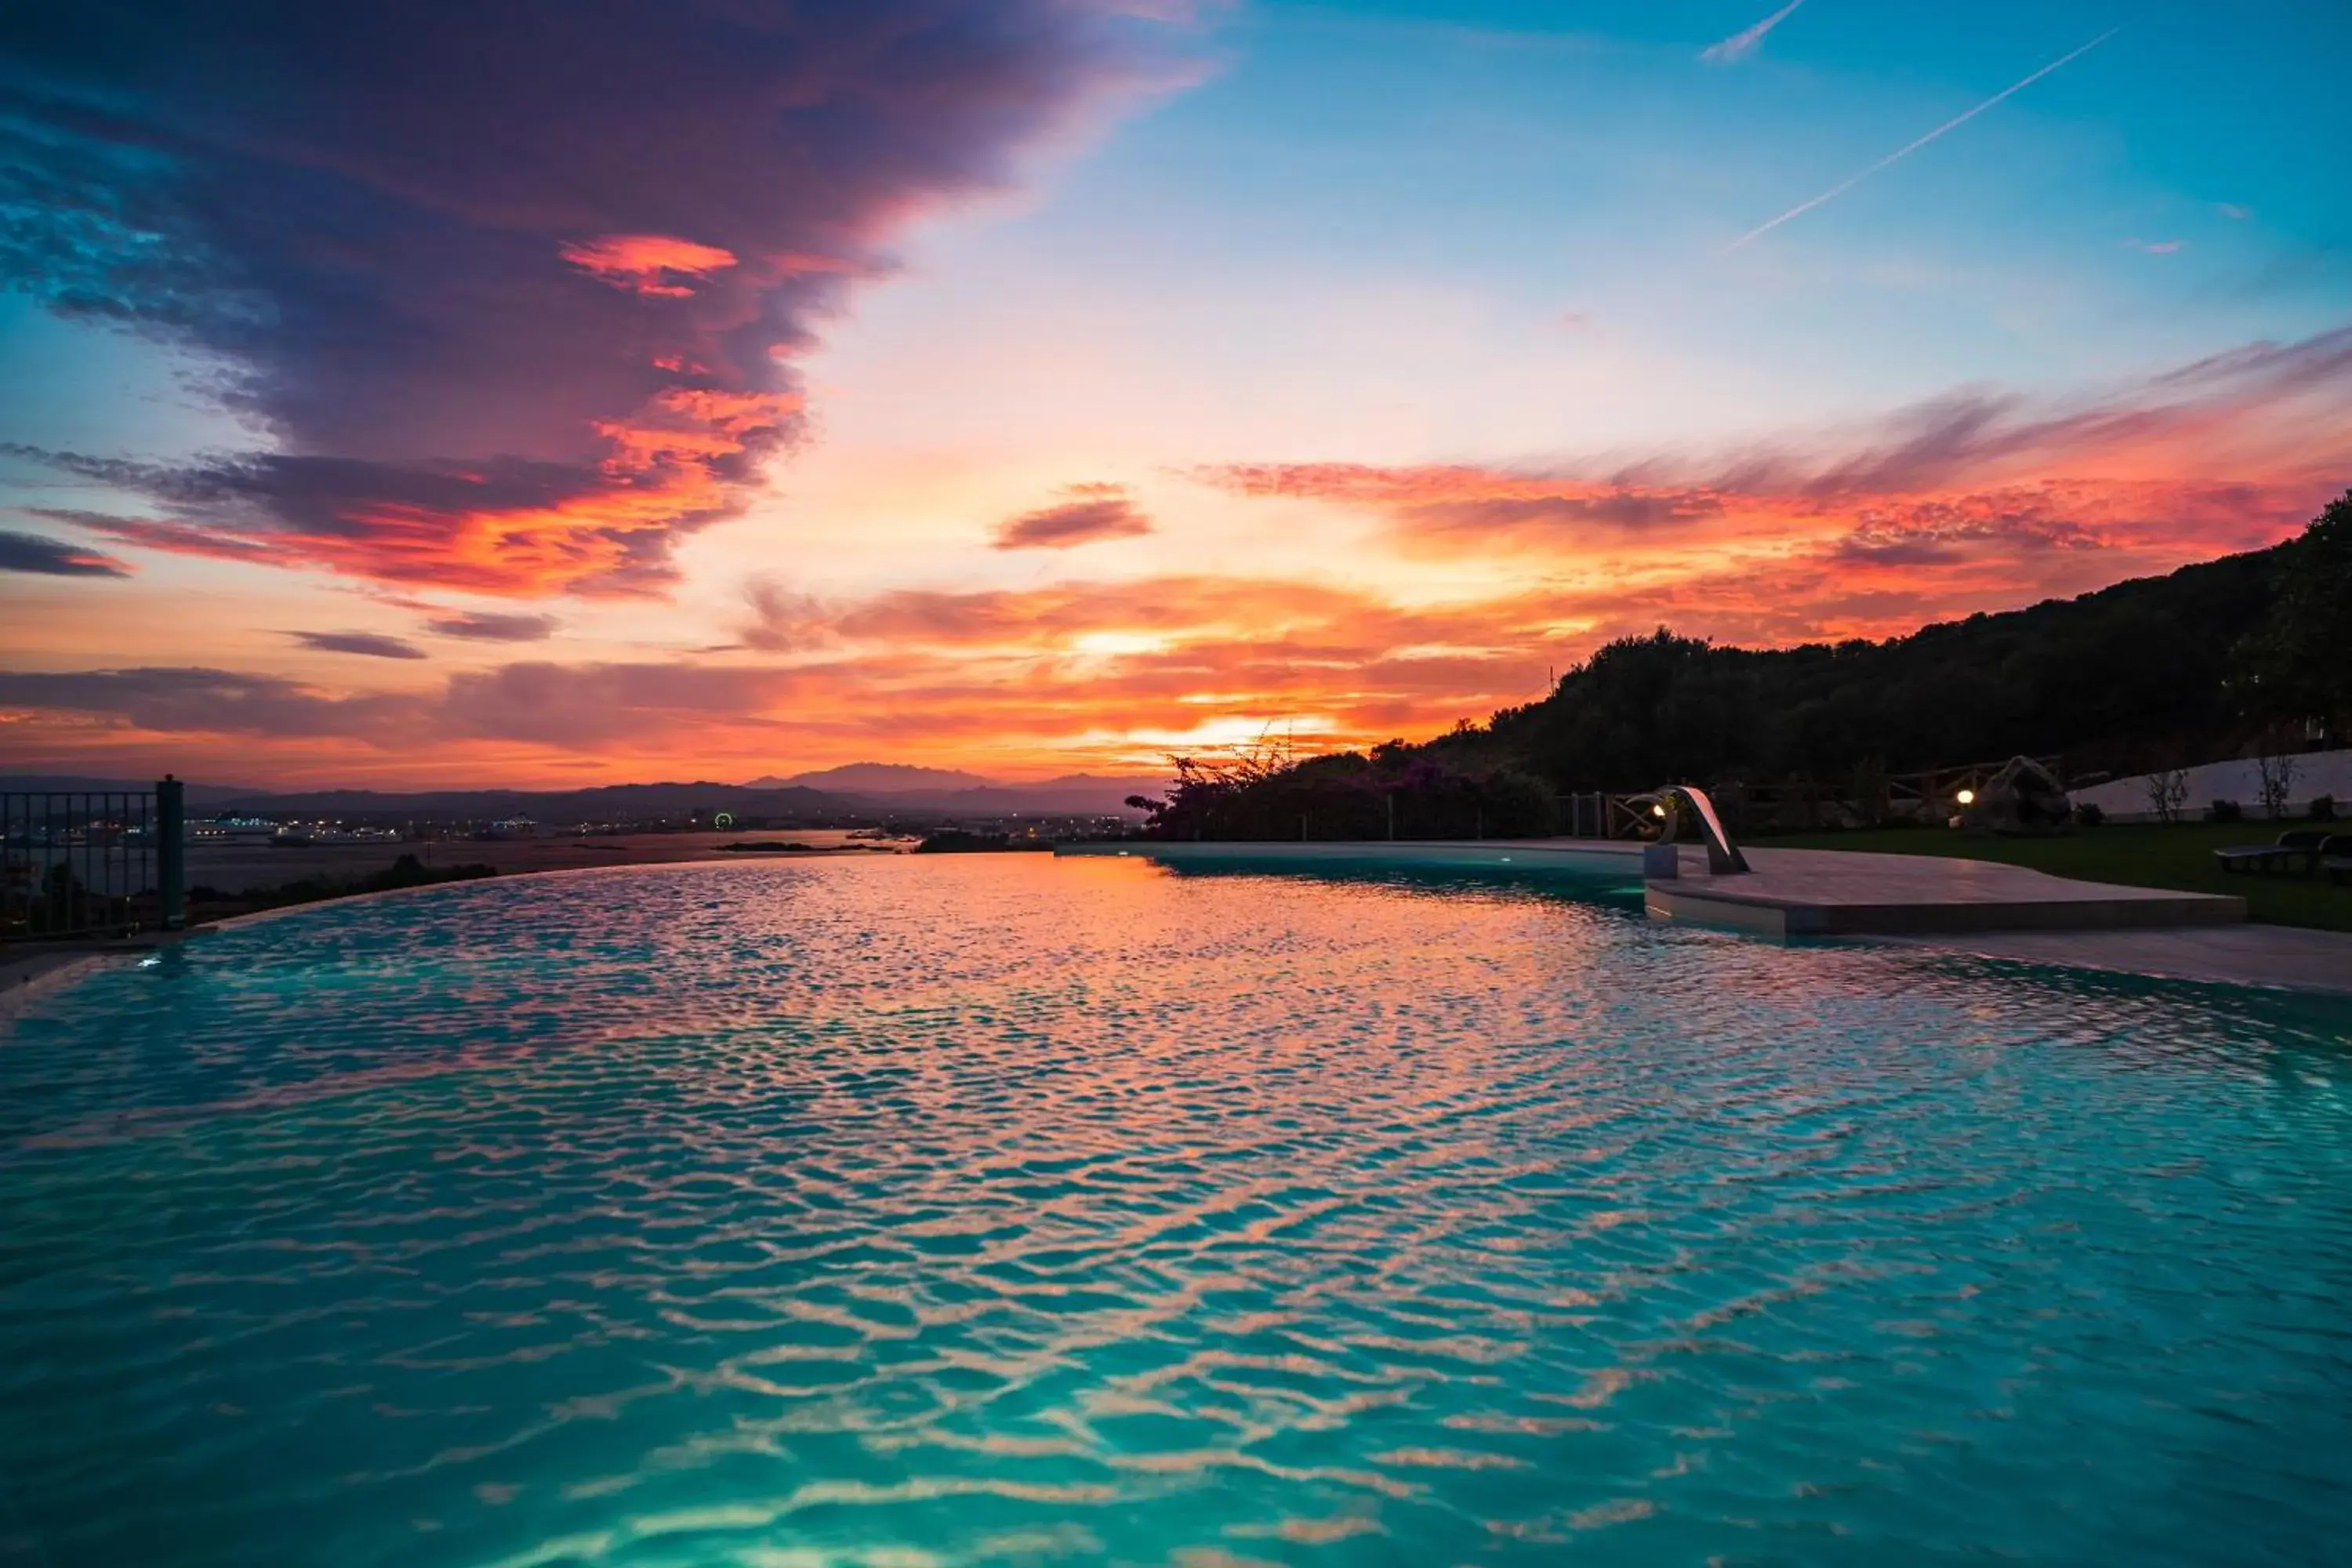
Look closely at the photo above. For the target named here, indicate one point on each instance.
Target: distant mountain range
(876, 778)
(900, 786)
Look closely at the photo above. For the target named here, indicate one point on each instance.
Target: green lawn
(2141, 855)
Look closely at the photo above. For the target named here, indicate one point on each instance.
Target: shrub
(1262, 792)
(2168, 791)
(410, 872)
(2088, 814)
(2224, 811)
(2323, 808)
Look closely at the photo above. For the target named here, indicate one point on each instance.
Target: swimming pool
(1001, 1209)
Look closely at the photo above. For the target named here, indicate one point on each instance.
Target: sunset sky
(554, 393)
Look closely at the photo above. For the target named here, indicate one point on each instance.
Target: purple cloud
(515, 289)
(477, 625)
(1568, 514)
(54, 558)
(1095, 512)
(369, 644)
(562, 705)
(183, 701)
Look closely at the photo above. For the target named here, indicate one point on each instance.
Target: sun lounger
(2296, 844)
(2335, 857)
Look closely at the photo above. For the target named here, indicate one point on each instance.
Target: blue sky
(1580, 158)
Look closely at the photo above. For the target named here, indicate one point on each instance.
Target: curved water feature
(1008, 1210)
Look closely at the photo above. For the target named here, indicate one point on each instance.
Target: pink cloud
(653, 265)
(381, 232)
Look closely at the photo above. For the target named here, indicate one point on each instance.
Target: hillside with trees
(2151, 673)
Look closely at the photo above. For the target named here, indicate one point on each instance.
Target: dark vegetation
(61, 903)
(2156, 672)
(1399, 791)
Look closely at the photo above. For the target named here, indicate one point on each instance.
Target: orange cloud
(1110, 674)
(525, 530)
(1104, 675)
(2244, 443)
(1973, 501)
(655, 266)
(1970, 503)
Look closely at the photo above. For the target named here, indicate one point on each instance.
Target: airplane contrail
(1901, 152)
(1747, 41)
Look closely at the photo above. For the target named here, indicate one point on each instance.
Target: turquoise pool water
(1003, 1210)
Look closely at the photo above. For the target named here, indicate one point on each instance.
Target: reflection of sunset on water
(919, 1202)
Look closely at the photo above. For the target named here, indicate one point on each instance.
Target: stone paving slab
(1837, 892)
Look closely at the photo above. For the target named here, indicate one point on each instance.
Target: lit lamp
(1659, 809)
(1967, 797)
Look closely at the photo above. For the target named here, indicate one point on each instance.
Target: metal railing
(1601, 814)
(91, 863)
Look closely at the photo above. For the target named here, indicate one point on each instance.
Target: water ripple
(921, 1212)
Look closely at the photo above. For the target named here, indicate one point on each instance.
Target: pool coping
(27, 976)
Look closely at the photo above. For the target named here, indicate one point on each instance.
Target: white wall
(2316, 772)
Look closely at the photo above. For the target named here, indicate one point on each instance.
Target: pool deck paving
(1837, 892)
